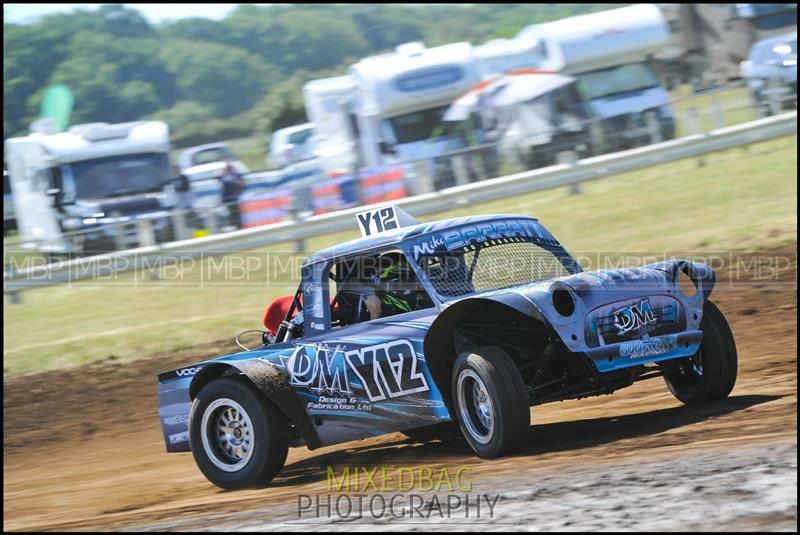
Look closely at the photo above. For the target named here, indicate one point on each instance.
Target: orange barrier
(265, 208)
(383, 184)
(327, 195)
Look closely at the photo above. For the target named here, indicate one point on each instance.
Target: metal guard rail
(477, 192)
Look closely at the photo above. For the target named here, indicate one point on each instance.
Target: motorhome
(85, 189)
(389, 108)
(402, 97)
(610, 53)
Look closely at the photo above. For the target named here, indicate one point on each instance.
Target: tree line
(218, 79)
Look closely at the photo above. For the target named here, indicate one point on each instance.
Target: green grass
(734, 104)
(742, 199)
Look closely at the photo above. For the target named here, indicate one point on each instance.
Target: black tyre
(238, 438)
(711, 372)
(490, 402)
(445, 432)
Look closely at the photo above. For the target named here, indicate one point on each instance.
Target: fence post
(774, 100)
(717, 120)
(460, 169)
(303, 200)
(179, 224)
(211, 221)
(297, 217)
(144, 232)
(118, 231)
(13, 297)
(695, 127)
(418, 179)
(477, 160)
(654, 126)
(569, 158)
(598, 139)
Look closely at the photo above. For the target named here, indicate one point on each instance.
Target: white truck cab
(70, 188)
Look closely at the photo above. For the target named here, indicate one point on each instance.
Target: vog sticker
(179, 438)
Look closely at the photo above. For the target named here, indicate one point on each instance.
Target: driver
(397, 289)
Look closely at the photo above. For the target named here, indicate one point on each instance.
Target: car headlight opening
(563, 302)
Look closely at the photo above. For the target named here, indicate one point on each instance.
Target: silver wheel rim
(475, 406)
(697, 363)
(228, 436)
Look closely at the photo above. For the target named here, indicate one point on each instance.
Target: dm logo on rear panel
(634, 317)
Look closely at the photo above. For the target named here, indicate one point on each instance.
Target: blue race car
(453, 327)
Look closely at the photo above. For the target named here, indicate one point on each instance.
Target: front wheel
(490, 402)
(710, 373)
(238, 438)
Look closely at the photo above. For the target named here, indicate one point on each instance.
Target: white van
(291, 145)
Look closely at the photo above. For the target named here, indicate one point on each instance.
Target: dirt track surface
(83, 450)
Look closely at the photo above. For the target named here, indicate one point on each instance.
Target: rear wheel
(710, 373)
(490, 402)
(238, 438)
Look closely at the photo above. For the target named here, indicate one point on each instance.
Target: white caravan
(389, 108)
(401, 99)
(85, 189)
(610, 52)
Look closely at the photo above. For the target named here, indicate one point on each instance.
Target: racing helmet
(394, 271)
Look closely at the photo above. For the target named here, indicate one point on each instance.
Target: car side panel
(359, 381)
(368, 379)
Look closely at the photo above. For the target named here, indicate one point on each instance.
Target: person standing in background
(232, 186)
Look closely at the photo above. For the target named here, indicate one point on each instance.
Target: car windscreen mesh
(495, 264)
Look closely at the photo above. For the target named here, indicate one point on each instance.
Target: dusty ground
(82, 449)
